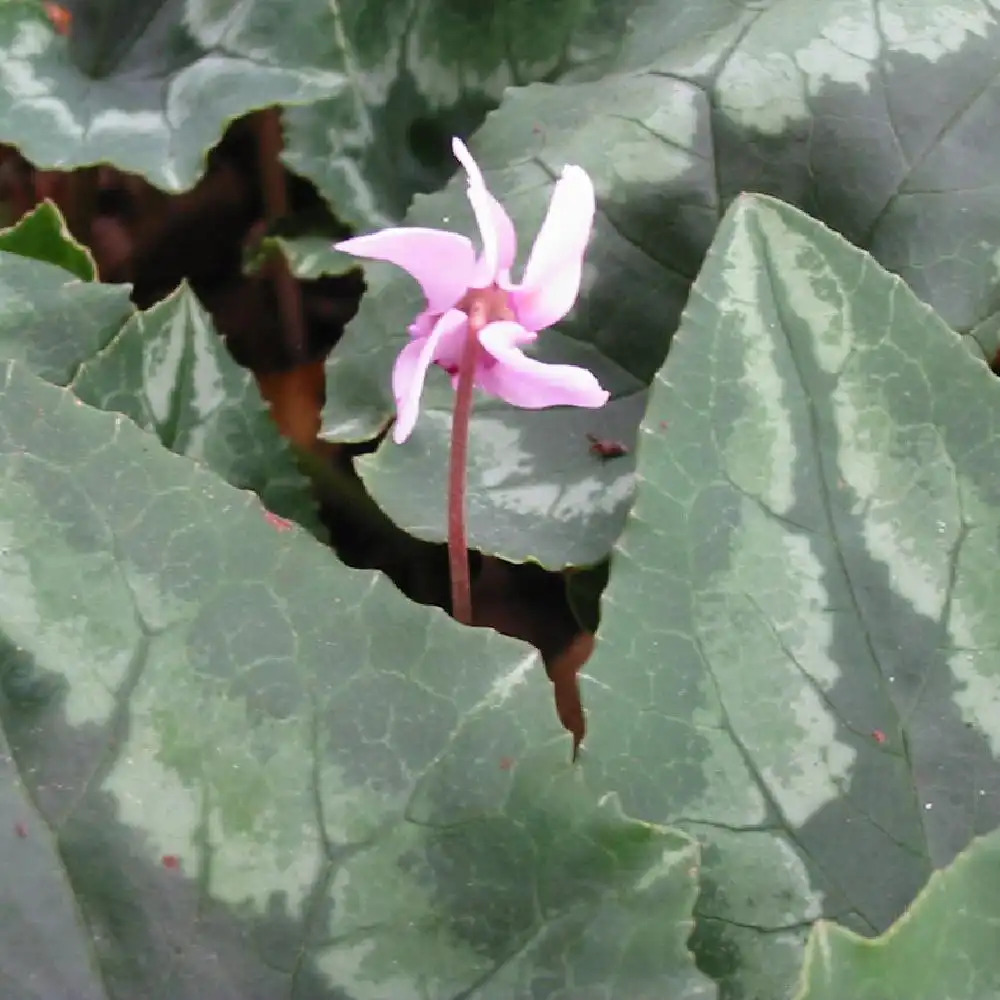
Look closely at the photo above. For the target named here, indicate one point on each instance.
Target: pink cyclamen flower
(458, 284)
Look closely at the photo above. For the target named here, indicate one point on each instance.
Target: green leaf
(536, 490)
(170, 372)
(43, 952)
(798, 647)
(309, 257)
(269, 775)
(944, 946)
(983, 340)
(132, 88)
(42, 235)
(852, 116)
(166, 368)
(418, 73)
(877, 121)
(51, 320)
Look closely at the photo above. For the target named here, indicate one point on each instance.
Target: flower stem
(458, 547)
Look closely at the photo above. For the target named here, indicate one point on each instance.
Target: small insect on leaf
(21, 829)
(506, 763)
(878, 736)
(605, 449)
(171, 861)
(281, 523)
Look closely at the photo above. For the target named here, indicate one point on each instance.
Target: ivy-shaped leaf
(876, 119)
(51, 320)
(170, 372)
(129, 86)
(42, 234)
(417, 72)
(943, 946)
(43, 949)
(268, 775)
(798, 656)
(165, 368)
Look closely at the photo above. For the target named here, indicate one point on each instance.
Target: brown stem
(458, 547)
(275, 191)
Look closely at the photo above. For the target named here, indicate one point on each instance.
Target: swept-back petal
(441, 262)
(495, 227)
(411, 366)
(531, 384)
(551, 279)
(423, 323)
(506, 237)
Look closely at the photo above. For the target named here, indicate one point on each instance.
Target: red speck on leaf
(171, 861)
(606, 449)
(20, 829)
(60, 17)
(663, 425)
(878, 736)
(281, 523)
(506, 763)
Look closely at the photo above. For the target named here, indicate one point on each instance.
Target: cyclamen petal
(441, 262)
(495, 227)
(552, 275)
(506, 239)
(530, 384)
(411, 366)
(424, 323)
(449, 272)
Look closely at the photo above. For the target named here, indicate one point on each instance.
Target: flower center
(483, 306)
(486, 305)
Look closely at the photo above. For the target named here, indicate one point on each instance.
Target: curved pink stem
(458, 547)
